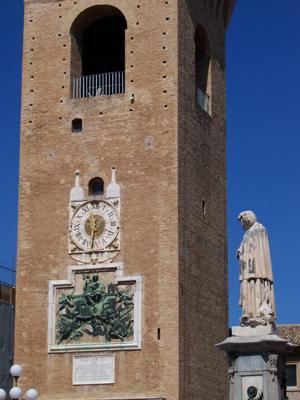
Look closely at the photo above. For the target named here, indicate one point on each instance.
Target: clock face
(94, 226)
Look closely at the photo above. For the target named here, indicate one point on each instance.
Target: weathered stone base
(246, 331)
(257, 362)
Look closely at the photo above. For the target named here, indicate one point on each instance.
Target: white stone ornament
(256, 277)
(113, 189)
(2, 394)
(77, 193)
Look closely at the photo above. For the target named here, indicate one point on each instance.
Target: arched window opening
(98, 52)
(202, 70)
(96, 187)
(77, 125)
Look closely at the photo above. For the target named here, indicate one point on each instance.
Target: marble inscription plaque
(94, 370)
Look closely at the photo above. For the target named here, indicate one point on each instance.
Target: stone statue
(256, 278)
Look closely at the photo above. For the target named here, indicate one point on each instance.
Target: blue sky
(263, 63)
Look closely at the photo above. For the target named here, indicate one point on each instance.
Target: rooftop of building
(290, 333)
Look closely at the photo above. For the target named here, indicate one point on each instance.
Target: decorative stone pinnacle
(77, 193)
(113, 175)
(77, 177)
(113, 189)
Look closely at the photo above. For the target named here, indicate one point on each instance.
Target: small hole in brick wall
(77, 125)
(32, 38)
(164, 33)
(30, 63)
(30, 121)
(164, 77)
(75, 2)
(130, 109)
(64, 59)
(59, 34)
(59, 5)
(100, 113)
(64, 45)
(131, 80)
(167, 19)
(131, 52)
(165, 106)
(164, 47)
(62, 87)
(65, 73)
(158, 333)
(32, 77)
(31, 49)
(164, 62)
(31, 20)
(60, 118)
(137, 23)
(165, 91)
(203, 207)
(30, 105)
(138, 6)
(131, 66)
(166, 2)
(31, 90)
(132, 38)
(61, 101)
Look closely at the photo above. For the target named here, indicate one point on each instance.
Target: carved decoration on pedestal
(252, 392)
(272, 365)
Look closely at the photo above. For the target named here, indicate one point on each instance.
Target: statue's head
(247, 219)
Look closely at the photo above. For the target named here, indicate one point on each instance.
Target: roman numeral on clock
(76, 227)
(79, 236)
(86, 208)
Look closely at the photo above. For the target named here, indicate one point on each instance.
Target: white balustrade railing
(105, 84)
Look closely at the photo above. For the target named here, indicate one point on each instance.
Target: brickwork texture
(170, 161)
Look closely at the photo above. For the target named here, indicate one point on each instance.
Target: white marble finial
(113, 189)
(77, 193)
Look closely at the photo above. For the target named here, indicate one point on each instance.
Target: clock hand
(93, 227)
(93, 237)
(92, 220)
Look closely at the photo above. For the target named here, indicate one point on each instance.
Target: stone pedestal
(257, 363)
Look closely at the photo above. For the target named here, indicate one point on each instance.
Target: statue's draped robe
(256, 278)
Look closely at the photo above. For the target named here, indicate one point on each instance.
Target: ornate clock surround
(96, 308)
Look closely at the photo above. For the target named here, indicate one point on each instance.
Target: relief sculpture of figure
(256, 277)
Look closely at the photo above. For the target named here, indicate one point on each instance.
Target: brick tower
(122, 277)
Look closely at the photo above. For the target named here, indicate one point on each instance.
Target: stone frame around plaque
(117, 269)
